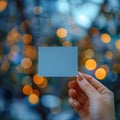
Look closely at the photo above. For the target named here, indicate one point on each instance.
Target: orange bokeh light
(33, 98)
(117, 44)
(61, 32)
(44, 84)
(100, 73)
(38, 79)
(109, 55)
(105, 38)
(13, 37)
(89, 53)
(27, 38)
(26, 63)
(90, 64)
(3, 5)
(27, 89)
(30, 52)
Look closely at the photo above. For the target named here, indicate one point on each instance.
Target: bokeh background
(92, 25)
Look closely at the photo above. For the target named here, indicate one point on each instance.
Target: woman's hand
(91, 99)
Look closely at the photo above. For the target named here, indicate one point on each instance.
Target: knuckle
(86, 84)
(110, 93)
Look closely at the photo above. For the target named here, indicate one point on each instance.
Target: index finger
(96, 84)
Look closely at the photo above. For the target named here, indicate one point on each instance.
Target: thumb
(87, 88)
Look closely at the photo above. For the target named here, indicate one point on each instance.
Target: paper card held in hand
(58, 61)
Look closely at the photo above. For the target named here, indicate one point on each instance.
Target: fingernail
(75, 104)
(80, 77)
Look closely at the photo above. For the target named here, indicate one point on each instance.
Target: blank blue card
(58, 61)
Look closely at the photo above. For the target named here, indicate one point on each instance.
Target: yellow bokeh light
(44, 84)
(3, 5)
(90, 64)
(38, 79)
(26, 63)
(13, 37)
(100, 73)
(109, 55)
(89, 53)
(105, 38)
(30, 52)
(61, 32)
(27, 38)
(27, 89)
(117, 44)
(33, 98)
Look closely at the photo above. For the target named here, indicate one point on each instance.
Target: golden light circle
(3, 5)
(27, 38)
(61, 32)
(26, 63)
(117, 44)
(105, 38)
(89, 53)
(44, 84)
(100, 73)
(109, 55)
(27, 89)
(38, 79)
(90, 64)
(33, 98)
(30, 51)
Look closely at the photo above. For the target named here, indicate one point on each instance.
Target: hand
(91, 99)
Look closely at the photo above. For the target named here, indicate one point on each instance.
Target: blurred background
(92, 25)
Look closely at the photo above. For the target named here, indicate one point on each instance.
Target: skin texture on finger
(93, 81)
(96, 84)
(75, 104)
(72, 93)
(98, 106)
(82, 110)
(74, 84)
(75, 95)
(87, 88)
